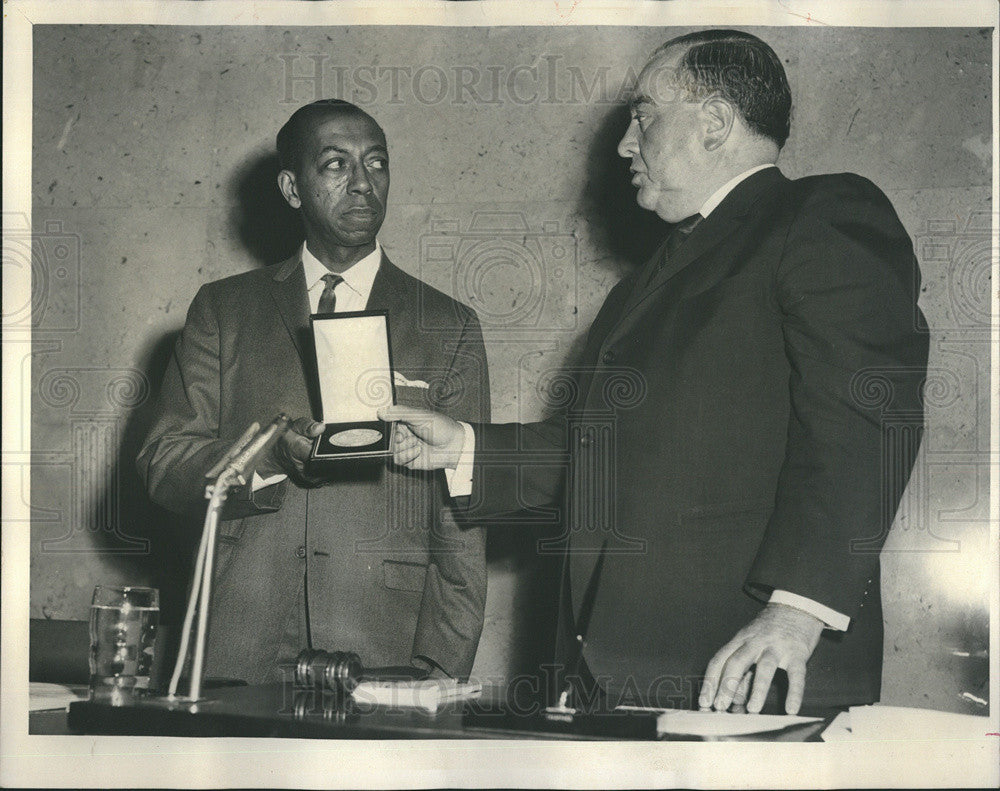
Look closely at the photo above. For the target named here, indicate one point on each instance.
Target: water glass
(123, 623)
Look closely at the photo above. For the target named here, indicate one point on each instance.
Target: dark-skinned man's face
(343, 179)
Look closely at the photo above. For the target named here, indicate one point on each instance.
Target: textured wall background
(153, 173)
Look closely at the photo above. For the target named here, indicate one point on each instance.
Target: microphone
(258, 446)
(252, 430)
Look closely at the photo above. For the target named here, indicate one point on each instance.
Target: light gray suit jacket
(391, 575)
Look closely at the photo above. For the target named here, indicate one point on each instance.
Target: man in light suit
(349, 557)
(748, 416)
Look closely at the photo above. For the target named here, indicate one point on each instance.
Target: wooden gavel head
(339, 671)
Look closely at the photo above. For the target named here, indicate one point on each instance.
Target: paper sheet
(721, 723)
(894, 723)
(43, 696)
(427, 695)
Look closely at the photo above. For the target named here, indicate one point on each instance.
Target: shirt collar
(719, 195)
(358, 277)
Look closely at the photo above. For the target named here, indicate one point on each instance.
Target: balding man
(352, 557)
(725, 509)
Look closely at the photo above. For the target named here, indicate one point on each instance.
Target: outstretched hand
(424, 440)
(780, 637)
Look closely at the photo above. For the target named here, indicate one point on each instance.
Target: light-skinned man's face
(342, 180)
(663, 140)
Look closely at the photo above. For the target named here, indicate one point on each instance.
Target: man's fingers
(796, 686)
(712, 673)
(732, 673)
(403, 433)
(762, 677)
(743, 690)
(298, 446)
(708, 686)
(407, 451)
(404, 458)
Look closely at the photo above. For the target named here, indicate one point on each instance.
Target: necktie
(328, 299)
(677, 236)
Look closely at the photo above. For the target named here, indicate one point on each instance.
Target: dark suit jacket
(745, 421)
(391, 576)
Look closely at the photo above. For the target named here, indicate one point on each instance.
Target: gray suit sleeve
(183, 442)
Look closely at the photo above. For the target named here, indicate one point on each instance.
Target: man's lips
(637, 176)
(362, 212)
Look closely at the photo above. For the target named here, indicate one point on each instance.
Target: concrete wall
(153, 173)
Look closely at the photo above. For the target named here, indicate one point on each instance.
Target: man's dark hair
(292, 135)
(744, 70)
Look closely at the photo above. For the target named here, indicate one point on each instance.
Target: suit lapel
(393, 292)
(728, 217)
(288, 290)
(387, 288)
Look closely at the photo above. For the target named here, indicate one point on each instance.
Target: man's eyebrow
(337, 149)
(637, 99)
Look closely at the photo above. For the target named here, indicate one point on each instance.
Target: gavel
(339, 671)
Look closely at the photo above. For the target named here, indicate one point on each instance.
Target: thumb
(307, 427)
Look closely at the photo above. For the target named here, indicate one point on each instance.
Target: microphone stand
(229, 472)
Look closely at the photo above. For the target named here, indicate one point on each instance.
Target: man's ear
(718, 117)
(288, 187)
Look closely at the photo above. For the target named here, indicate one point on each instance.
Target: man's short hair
(292, 135)
(744, 70)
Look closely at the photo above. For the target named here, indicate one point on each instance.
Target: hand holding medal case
(354, 365)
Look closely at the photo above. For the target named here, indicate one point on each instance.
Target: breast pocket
(403, 575)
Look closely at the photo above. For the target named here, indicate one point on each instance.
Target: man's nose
(360, 181)
(628, 145)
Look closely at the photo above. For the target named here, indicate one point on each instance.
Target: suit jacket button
(300, 552)
(608, 356)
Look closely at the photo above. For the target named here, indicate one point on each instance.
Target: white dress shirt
(352, 294)
(460, 483)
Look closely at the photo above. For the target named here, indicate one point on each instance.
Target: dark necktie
(677, 236)
(328, 299)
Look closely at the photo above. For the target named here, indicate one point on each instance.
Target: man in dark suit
(351, 557)
(728, 465)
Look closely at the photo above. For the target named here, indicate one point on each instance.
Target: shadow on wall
(267, 227)
(171, 538)
(621, 229)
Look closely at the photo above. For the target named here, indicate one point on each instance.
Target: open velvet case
(354, 365)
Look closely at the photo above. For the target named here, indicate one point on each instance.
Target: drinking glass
(123, 623)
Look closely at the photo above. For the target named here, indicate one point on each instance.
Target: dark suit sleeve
(518, 466)
(846, 287)
(522, 466)
(451, 614)
(183, 442)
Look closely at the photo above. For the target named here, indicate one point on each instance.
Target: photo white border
(82, 761)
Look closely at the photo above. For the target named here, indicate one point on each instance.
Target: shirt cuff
(831, 618)
(262, 483)
(459, 480)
